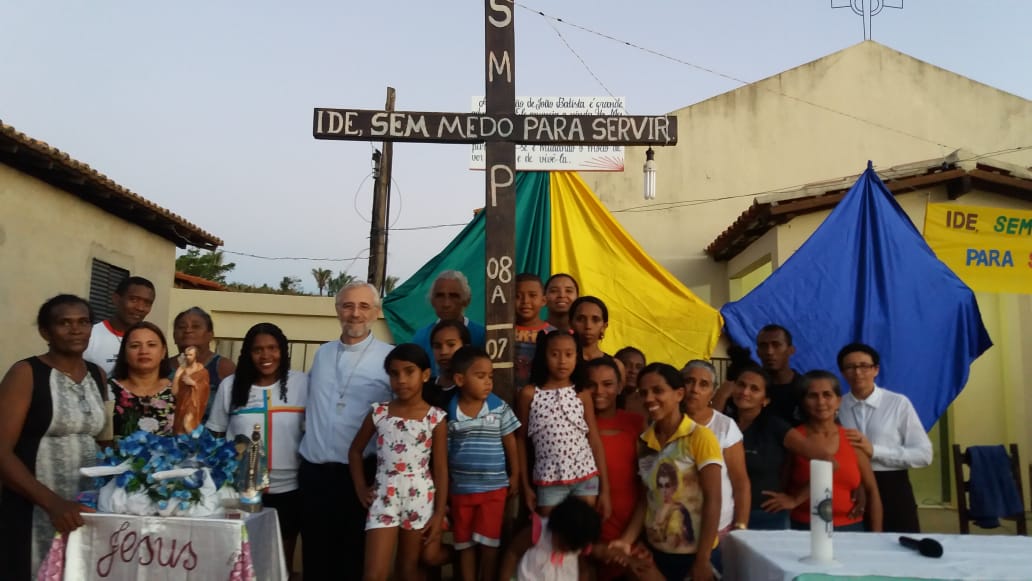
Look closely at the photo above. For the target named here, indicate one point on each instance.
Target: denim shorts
(554, 494)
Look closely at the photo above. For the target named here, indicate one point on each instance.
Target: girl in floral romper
(408, 500)
(560, 423)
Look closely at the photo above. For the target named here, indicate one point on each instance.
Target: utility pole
(381, 202)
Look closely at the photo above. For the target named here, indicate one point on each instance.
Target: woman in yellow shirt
(679, 463)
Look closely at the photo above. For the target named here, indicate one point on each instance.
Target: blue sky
(205, 107)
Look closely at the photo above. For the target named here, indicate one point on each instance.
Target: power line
(397, 188)
(584, 64)
(351, 258)
(258, 256)
(429, 227)
(732, 77)
(632, 45)
(354, 200)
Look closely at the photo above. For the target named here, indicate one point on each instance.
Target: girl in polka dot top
(568, 458)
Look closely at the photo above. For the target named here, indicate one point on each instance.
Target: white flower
(148, 425)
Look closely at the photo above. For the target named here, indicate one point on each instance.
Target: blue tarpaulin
(867, 275)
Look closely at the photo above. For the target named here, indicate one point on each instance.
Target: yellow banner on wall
(990, 249)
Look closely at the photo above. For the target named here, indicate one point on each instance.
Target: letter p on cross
(496, 184)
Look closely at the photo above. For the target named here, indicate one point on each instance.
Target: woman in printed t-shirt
(679, 462)
(266, 392)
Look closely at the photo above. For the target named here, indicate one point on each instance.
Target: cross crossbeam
(435, 127)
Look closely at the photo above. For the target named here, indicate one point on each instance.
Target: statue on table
(191, 385)
(252, 475)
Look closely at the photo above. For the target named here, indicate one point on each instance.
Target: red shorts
(477, 518)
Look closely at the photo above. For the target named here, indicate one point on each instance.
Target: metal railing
(301, 352)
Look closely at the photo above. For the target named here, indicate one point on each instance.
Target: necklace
(342, 391)
(78, 388)
(71, 376)
(80, 369)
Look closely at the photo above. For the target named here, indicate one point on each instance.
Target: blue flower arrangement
(147, 453)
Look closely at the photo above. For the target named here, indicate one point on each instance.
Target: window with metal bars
(104, 279)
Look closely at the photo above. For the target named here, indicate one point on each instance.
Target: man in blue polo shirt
(449, 296)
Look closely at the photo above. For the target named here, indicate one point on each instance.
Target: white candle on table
(820, 512)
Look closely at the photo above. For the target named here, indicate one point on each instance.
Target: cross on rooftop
(867, 9)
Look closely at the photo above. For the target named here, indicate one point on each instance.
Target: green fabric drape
(407, 308)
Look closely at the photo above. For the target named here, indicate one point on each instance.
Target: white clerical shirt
(343, 383)
(889, 421)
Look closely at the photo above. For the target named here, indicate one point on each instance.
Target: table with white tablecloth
(125, 547)
(776, 556)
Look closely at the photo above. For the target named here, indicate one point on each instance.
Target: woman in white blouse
(700, 381)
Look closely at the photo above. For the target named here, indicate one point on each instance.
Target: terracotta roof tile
(197, 282)
(51, 165)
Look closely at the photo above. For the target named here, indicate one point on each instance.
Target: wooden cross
(500, 129)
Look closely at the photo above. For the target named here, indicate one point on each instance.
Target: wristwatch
(740, 526)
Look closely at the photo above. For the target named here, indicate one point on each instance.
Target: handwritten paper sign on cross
(500, 129)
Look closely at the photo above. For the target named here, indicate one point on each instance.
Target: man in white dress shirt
(885, 426)
(346, 378)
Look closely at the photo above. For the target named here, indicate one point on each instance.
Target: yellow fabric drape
(648, 307)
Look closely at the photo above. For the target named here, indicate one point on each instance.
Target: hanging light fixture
(650, 174)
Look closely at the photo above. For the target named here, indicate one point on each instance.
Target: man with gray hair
(346, 378)
(449, 296)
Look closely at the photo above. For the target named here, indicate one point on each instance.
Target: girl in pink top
(568, 456)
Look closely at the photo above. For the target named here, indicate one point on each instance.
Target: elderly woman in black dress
(51, 409)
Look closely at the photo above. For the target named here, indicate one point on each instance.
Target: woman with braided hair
(265, 391)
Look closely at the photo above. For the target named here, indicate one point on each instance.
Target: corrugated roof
(60, 170)
(960, 174)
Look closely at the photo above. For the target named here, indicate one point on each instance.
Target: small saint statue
(252, 476)
(191, 386)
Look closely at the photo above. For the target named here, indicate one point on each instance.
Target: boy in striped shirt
(481, 443)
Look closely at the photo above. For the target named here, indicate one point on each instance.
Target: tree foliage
(291, 285)
(242, 287)
(322, 278)
(210, 265)
(389, 284)
(338, 282)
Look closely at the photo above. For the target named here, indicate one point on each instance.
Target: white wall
(763, 137)
(48, 240)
